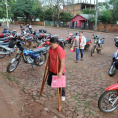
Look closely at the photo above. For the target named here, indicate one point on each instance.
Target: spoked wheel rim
(93, 51)
(40, 61)
(13, 65)
(112, 69)
(110, 101)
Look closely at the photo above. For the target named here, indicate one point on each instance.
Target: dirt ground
(86, 81)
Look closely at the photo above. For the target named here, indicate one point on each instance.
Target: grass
(23, 87)
(9, 77)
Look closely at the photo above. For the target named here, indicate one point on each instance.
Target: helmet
(116, 43)
(77, 33)
(96, 37)
(44, 30)
(5, 28)
(40, 30)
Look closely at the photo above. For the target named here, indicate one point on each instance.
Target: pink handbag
(72, 49)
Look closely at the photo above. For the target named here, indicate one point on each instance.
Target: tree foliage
(105, 16)
(49, 14)
(28, 9)
(115, 10)
(3, 8)
(65, 17)
(88, 11)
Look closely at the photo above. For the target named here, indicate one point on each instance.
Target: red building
(81, 21)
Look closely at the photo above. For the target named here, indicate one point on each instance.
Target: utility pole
(7, 12)
(96, 17)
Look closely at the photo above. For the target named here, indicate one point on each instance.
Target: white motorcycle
(8, 48)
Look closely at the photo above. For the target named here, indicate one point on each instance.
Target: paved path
(86, 80)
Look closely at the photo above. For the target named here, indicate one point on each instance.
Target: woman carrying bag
(79, 44)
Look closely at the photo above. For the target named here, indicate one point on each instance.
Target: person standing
(79, 44)
(54, 51)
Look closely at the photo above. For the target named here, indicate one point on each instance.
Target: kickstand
(32, 66)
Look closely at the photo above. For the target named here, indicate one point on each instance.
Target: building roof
(86, 16)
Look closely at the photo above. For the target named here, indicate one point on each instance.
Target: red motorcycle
(108, 101)
(71, 38)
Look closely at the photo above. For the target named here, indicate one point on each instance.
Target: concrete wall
(33, 22)
(107, 27)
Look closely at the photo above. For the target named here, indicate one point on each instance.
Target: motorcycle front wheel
(108, 101)
(112, 70)
(40, 60)
(12, 65)
(93, 50)
(2, 50)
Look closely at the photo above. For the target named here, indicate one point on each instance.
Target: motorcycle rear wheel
(87, 46)
(106, 99)
(11, 66)
(2, 50)
(112, 70)
(93, 50)
(40, 61)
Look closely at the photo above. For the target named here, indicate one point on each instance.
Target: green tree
(28, 9)
(3, 8)
(115, 10)
(105, 16)
(112, 1)
(49, 14)
(65, 17)
(88, 11)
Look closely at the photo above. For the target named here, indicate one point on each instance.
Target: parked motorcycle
(108, 101)
(34, 57)
(7, 48)
(88, 41)
(112, 69)
(98, 45)
(42, 34)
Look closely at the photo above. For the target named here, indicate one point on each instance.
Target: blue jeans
(77, 53)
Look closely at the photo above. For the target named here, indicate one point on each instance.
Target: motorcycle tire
(2, 50)
(40, 61)
(108, 98)
(93, 50)
(112, 70)
(10, 65)
(87, 46)
(36, 39)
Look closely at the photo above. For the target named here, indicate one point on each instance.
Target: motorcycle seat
(6, 43)
(5, 34)
(87, 40)
(5, 38)
(60, 40)
(43, 49)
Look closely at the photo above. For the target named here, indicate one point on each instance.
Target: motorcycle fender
(13, 60)
(73, 39)
(112, 87)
